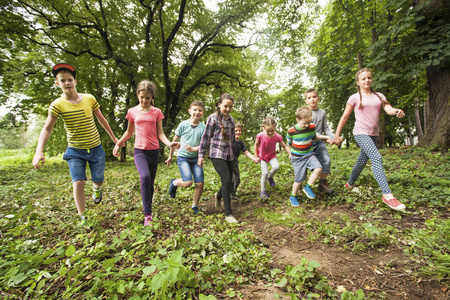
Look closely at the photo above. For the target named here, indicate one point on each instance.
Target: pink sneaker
(394, 203)
(148, 220)
(348, 186)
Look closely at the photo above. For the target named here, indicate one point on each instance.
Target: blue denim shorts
(188, 168)
(77, 158)
(321, 151)
(302, 163)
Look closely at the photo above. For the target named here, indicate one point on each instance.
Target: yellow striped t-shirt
(78, 121)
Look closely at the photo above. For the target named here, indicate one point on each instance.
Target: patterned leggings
(369, 151)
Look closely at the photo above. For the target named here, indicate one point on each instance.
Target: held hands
(337, 140)
(175, 145)
(116, 150)
(329, 141)
(256, 160)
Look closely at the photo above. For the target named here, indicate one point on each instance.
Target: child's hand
(116, 150)
(200, 162)
(188, 148)
(38, 157)
(175, 145)
(168, 161)
(256, 160)
(400, 113)
(337, 140)
(329, 141)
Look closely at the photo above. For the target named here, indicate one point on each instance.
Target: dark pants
(236, 178)
(146, 162)
(225, 170)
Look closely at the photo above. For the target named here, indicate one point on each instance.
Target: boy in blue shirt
(190, 132)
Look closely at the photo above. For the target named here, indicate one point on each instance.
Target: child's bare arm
(169, 159)
(120, 143)
(101, 119)
(325, 138)
(256, 147)
(191, 149)
(43, 139)
(253, 158)
(286, 148)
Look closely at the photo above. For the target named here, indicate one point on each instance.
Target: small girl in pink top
(265, 149)
(367, 105)
(147, 120)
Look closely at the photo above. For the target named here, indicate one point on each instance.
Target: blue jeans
(77, 158)
(189, 168)
(321, 151)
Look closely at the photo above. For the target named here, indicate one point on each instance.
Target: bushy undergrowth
(44, 254)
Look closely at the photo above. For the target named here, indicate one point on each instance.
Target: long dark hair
(222, 97)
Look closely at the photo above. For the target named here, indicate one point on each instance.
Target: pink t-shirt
(145, 127)
(267, 145)
(368, 118)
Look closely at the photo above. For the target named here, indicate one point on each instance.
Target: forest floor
(365, 249)
(386, 274)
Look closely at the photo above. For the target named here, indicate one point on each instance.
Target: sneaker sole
(396, 208)
(308, 195)
(97, 202)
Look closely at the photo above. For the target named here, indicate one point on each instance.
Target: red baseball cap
(60, 67)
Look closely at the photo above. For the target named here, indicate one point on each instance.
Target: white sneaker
(230, 219)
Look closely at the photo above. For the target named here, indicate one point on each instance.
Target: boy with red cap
(84, 145)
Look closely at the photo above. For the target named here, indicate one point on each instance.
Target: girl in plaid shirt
(219, 137)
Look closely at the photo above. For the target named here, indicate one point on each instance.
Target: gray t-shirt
(319, 118)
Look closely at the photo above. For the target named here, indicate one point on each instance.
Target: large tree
(435, 26)
(188, 50)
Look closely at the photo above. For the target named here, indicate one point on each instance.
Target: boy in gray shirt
(320, 120)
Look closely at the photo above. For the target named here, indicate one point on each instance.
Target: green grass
(45, 255)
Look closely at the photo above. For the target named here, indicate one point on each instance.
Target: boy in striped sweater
(300, 139)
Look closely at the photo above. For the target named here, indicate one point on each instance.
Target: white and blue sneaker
(309, 192)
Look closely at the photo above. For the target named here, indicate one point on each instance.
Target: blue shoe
(309, 192)
(172, 189)
(195, 210)
(294, 200)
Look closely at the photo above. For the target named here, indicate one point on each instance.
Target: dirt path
(381, 273)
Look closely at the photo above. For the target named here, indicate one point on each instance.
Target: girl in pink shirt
(147, 120)
(265, 150)
(367, 105)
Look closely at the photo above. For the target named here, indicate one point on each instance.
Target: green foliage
(44, 255)
(303, 279)
(430, 246)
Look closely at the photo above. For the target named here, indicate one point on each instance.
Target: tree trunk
(417, 116)
(438, 110)
(438, 115)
